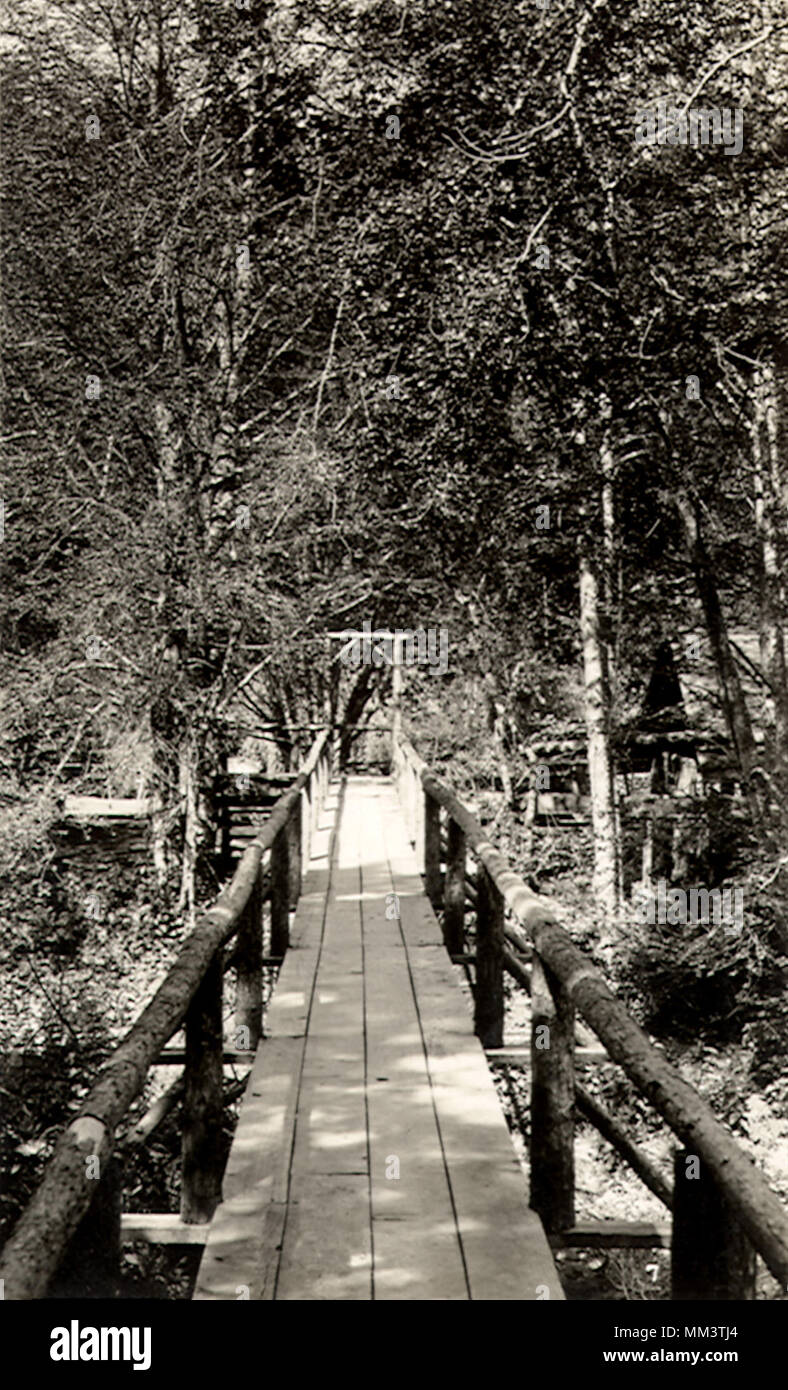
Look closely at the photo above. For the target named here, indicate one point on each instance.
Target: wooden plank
(506, 1253)
(417, 1253)
(241, 1252)
(231, 1056)
(326, 1249)
(287, 1015)
(161, 1228)
(612, 1235)
(105, 807)
(317, 1206)
(521, 1056)
(326, 1246)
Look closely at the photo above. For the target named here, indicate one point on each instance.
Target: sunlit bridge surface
(372, 1158)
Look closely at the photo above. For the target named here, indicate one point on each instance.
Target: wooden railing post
(202, 1150)
(280, 893)
(711, 1258)
(305, 810)
(294, 855)
(432, 849)
(489, 1006)
(249, 968)
(90, 1267)
(315, 803)
(454, 891)
(552, 1100)
(225, 855)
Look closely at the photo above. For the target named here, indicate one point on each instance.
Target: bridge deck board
(371, 1158)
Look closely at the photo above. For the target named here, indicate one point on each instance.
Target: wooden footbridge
(371, 1158)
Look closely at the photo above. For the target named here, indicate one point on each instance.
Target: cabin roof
(700, 690)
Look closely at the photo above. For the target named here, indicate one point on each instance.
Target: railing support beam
(202, 1151)
(552, 1100)
(711, 1257)
(280, 893)
(294, 836)
(432, 850)
(489, 1000)
(249, 967)
(454, 891)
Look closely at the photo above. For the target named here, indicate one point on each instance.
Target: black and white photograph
(394, 693)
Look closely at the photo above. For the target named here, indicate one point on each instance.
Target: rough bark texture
(91, 1265)
(202, 1154)
(552, 1135)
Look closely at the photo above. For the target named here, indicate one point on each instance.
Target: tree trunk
(163, 725)
(607, 462)
(597, 716)
(496, 722)
(737, 715)
(191, 831)
(768, 488)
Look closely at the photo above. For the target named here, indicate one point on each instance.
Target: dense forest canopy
(324, 313)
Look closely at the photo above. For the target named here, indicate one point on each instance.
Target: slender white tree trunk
(603, 814)
(768, 488)
(191, 833)
(607, 461)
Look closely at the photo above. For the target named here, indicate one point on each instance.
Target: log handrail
(34, 1250)
(688, 1115)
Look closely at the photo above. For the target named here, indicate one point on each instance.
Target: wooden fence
(76, 1210)
(723, 1210)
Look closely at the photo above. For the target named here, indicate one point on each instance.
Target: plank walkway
(371, 1158)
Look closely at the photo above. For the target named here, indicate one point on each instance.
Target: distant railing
(80, 1192)
(723, 1208)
